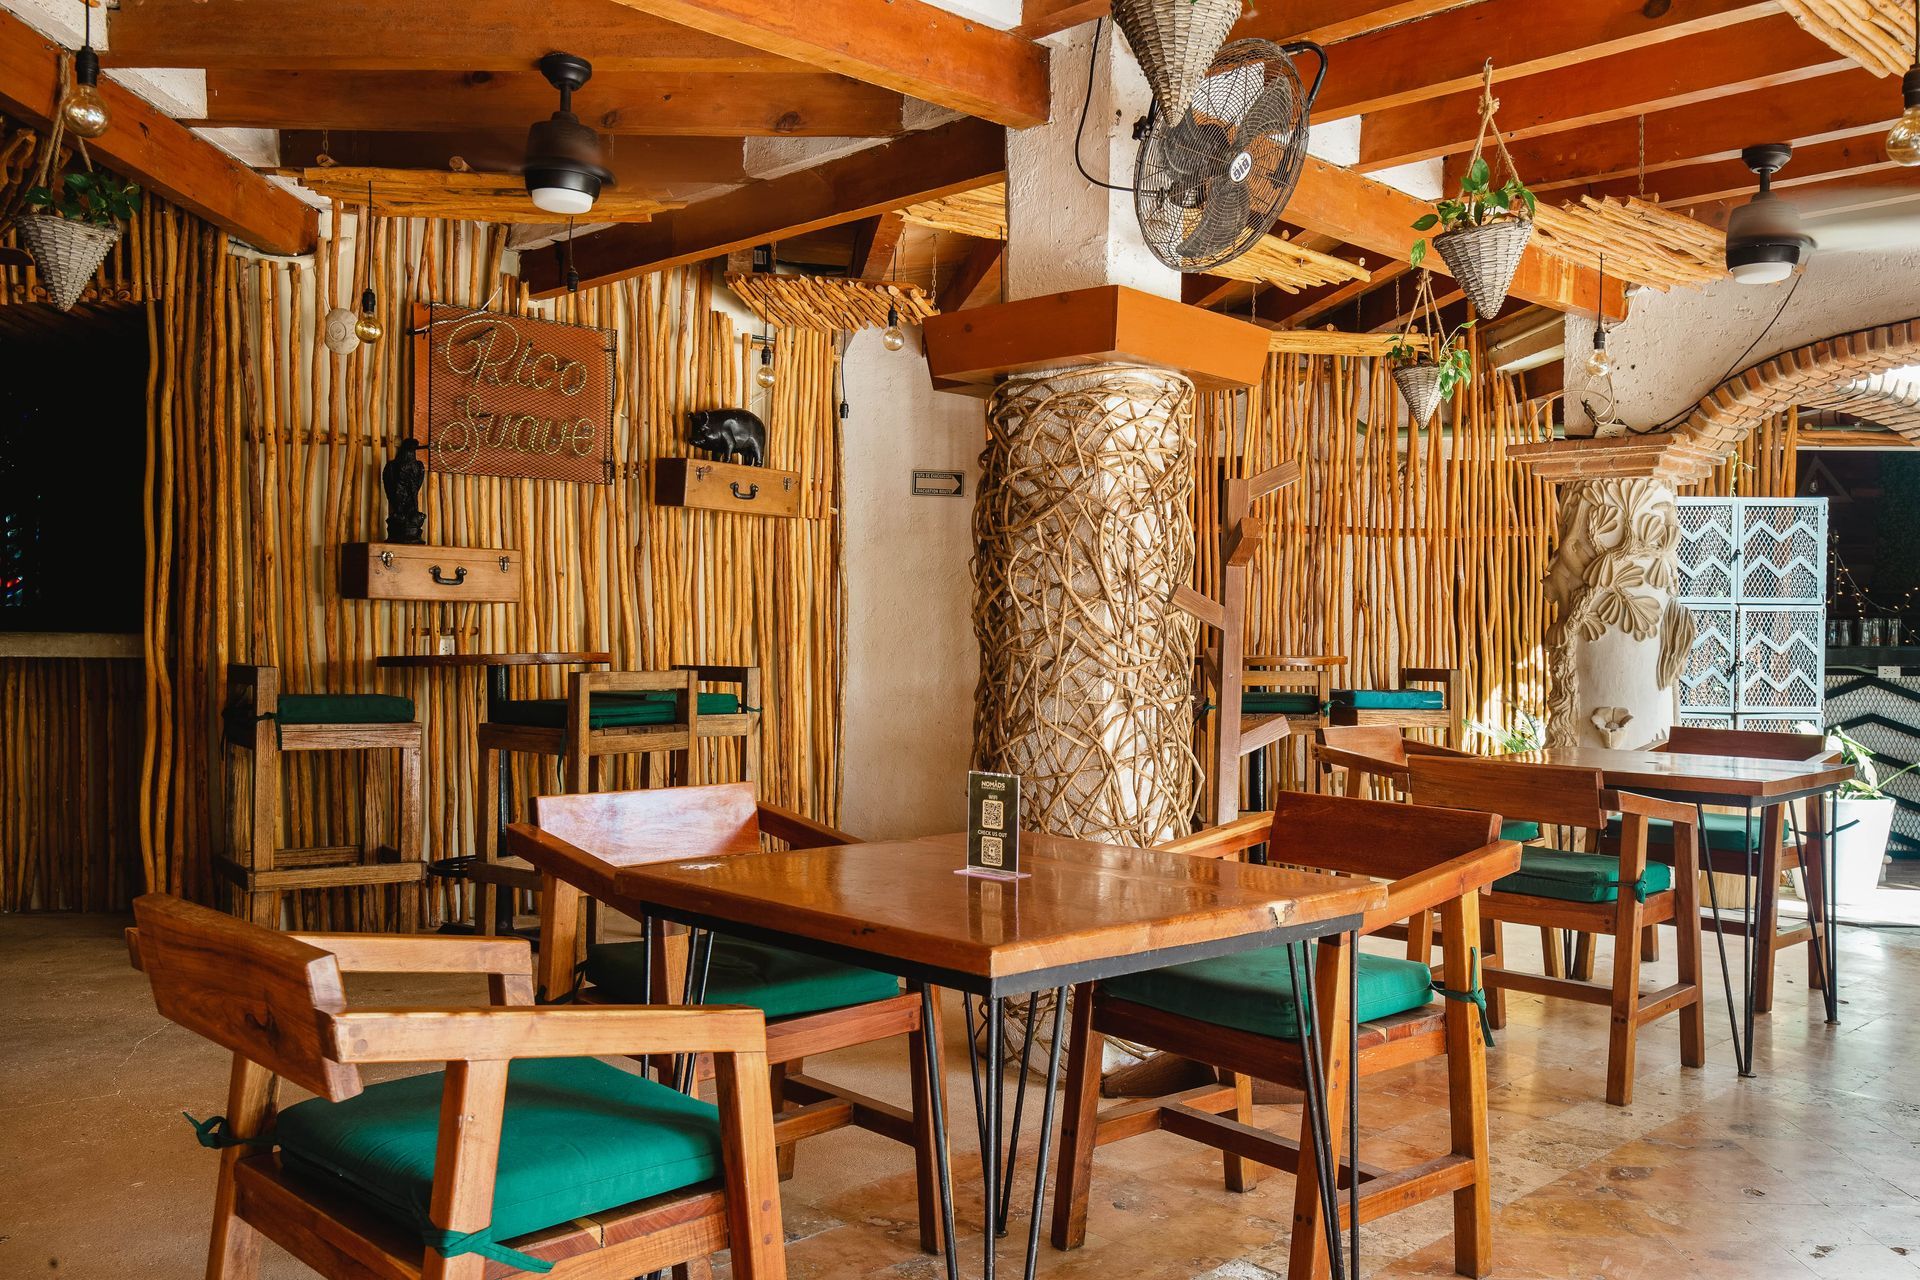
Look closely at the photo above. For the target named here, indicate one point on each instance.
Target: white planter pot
(1861, 827)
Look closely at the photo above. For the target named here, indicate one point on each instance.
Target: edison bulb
(367, 329)
(85, 112)
(893, 337)
(1599, 362)
(1903, 143)
(763, 376)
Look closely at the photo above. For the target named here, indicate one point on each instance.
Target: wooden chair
(1283, 699)
(1390, 708)
(1730, 836)
(578, 843)
(1237, 1015)
(522, 1151)
(264, 723)
(1595, 893)
(605, 713)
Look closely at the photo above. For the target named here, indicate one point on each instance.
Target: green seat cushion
(1270, 702)
(778, 982)
(344, 708)
(1521, 831)
(580, 1137)
(609, 710)
(1576, 877)
(1390, 699)
(1252, 992)
(1726, 832)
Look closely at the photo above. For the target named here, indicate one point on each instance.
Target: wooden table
(1084, 912)
(1744, 783)
(497, 666)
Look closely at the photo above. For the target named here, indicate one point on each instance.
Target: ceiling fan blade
(1221, 219)
(1884, 228)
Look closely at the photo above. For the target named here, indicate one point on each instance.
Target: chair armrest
(1651, 807)
(1421, 747)
(632, 681)
(552, 856)
(428, 953)
(799, 831)
(492, 1035)
(1224, 840)
(1454, 878)
(1355, 760)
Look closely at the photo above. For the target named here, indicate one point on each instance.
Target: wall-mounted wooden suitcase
(726, 486)
(403, 571)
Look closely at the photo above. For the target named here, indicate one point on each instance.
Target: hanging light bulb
(367, 328)
(764, 374)
(1903, 144)
(84, 111)
(1599, 360)
(893, 337)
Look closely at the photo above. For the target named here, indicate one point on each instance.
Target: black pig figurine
(726, 432)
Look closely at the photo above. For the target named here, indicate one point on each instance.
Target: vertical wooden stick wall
(264, 453)
(1396, 548)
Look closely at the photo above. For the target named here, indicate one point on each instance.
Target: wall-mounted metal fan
(1212, 176)
(1771, 234)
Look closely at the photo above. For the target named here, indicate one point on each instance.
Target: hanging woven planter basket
(1175, 42)
(1420, 387)
(1484, 258)
(66, 253)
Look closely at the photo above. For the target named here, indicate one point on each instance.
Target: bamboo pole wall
(264, 452)
(1395, 548)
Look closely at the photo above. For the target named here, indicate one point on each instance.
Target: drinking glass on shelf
(1872, 631)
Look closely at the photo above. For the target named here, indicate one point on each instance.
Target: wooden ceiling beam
(155, 151)
(1837, 105)
(983, 259)
(1445, 53)
(1856, 157)
(875, 242)
(908, 46)
(1322, 21)
(1377, 219)
(730, 105)
(1696, 68)
(419, 35)
(638, 163)
(1044, 17)
(924, 166)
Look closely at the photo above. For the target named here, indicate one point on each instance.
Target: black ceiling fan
(1771, 235)
(565, 160)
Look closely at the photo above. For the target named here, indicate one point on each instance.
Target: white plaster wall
(911, 661)
(1062, 231)
(1675, 347)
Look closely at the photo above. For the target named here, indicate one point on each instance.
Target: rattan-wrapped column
(1082, 531)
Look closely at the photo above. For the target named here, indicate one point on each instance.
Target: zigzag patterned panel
(1708, 550)
(1885, 716)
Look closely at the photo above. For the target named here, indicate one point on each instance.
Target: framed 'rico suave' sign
(501, 395)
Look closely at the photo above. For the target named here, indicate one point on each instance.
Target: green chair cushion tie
(778, 982)
(1390, 699)
(1268, 702)
(1579, 877)
(1726, 832)
(1476, 995)
(1252, 992)
(579, 1137)
(611, 710)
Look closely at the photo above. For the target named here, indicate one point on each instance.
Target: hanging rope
(1488, 106)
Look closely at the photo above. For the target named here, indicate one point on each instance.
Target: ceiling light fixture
(563, 170)
(83, 111)
(1599, 361)
(1903, 143)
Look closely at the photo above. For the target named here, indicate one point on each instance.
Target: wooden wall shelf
(726, 486)
(405, 571)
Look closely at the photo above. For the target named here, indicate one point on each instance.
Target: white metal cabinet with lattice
(1753, 572)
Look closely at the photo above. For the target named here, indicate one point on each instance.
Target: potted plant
(77, 222)
(1862, 820)
(1482, 233)
(1425, 380)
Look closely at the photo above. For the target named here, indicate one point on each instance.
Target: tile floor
(1812, 1170)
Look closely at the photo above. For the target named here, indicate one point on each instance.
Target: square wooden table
(1082, 912)
(1737, 782)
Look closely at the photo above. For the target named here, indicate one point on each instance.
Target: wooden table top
(488, 659)
(1737, 778)
(1085, 911)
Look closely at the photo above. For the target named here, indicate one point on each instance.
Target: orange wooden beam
(908, 46)
(155, 151)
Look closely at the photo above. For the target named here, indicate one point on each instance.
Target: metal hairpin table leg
(1753, 939)
(1306, 1021)
(1353, 1106)
(1005, 1203)
(990, 1129)
(1829, 820)
(1047, 1108)
(936, 1103)
(1719, 928)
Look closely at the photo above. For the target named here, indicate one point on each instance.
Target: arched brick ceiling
(1842, 374)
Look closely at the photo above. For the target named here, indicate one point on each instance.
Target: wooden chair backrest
(1749, 744)
(632, 828)
(1379, 838)
(1383, 742)
(262, 994)
(1555, 794)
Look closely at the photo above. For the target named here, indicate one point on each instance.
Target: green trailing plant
(1866, 783)
(1453, 357)
(96, 198)
(1527, 732)
(1479, 203)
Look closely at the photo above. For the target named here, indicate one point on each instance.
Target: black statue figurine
(402, 477)
(726, 432)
